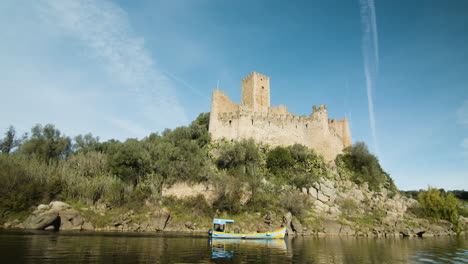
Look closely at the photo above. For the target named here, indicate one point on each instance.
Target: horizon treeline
(48, 165)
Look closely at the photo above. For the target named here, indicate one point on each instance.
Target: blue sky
(122, 69)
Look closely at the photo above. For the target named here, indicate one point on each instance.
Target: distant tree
(86, 143)
(461, 194)
(46, 143)
(11, 141)
(199, 129)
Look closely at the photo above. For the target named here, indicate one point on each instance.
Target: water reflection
(81, 247)
(225, 248)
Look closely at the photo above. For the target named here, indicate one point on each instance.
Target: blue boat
(219, 231)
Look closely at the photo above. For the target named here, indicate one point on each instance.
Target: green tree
(199, 129)
(243, 160)
(296, 165)
(47, 144)
(440, 205)
(279, 159)
(11, 141)
(179, 154)
(129, 161)
(86, 143)
(365, 167)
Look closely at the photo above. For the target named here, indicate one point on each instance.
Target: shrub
(364, 167)
(294, 202)
(23, 182)
(195, 205)
(297, 165)
(279, 159)
(229, 193)
(349, 206)
(438, 206)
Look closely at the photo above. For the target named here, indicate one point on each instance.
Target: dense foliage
(363, 167)
(459, 194)
(438, 205)
(48, 165)
(297, 165)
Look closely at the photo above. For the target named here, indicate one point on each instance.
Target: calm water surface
(81, 247)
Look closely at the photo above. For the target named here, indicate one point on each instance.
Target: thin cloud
(104, 28)
(370, 50)
(462, 118)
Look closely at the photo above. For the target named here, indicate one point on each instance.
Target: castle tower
(256, 92)
(275, 126)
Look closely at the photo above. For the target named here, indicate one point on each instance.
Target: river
(92, 247)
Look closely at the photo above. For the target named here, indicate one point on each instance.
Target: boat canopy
(222, 221)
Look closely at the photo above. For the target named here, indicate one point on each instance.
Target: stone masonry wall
(254, 118)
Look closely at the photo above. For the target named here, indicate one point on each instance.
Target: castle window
(263, 87)
(269, 123)
(307, 125)
(230, 121)
(296, 126)
(252, 121)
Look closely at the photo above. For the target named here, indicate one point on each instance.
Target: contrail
(197, 91)
(370, 51)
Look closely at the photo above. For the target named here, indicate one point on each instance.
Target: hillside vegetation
(47, 165)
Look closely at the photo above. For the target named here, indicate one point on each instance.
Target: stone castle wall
(254, 118)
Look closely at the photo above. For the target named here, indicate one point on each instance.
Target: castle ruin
(254, 118)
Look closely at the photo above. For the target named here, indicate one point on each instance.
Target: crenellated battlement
(254, 118)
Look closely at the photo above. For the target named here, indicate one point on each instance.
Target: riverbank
(181, 180)
(103, 218)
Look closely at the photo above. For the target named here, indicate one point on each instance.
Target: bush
(296, 165)
(438, 206)
(195, 205)
(279, 159)
(295, 202)
(364, 167)
(349, 206)
(229, 193)
(24, 182)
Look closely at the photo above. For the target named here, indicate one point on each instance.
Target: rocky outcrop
(296, 226)
(57, 215)
(71, 219)
(287, 219)
(160, 219)
(331, 227)
(43, 220)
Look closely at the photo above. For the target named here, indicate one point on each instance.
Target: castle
(254, 118)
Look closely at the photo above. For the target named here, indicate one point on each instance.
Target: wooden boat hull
(278, 234)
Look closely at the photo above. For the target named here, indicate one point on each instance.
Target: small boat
(219, 231)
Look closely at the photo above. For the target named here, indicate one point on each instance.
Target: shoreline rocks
(56, 215)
